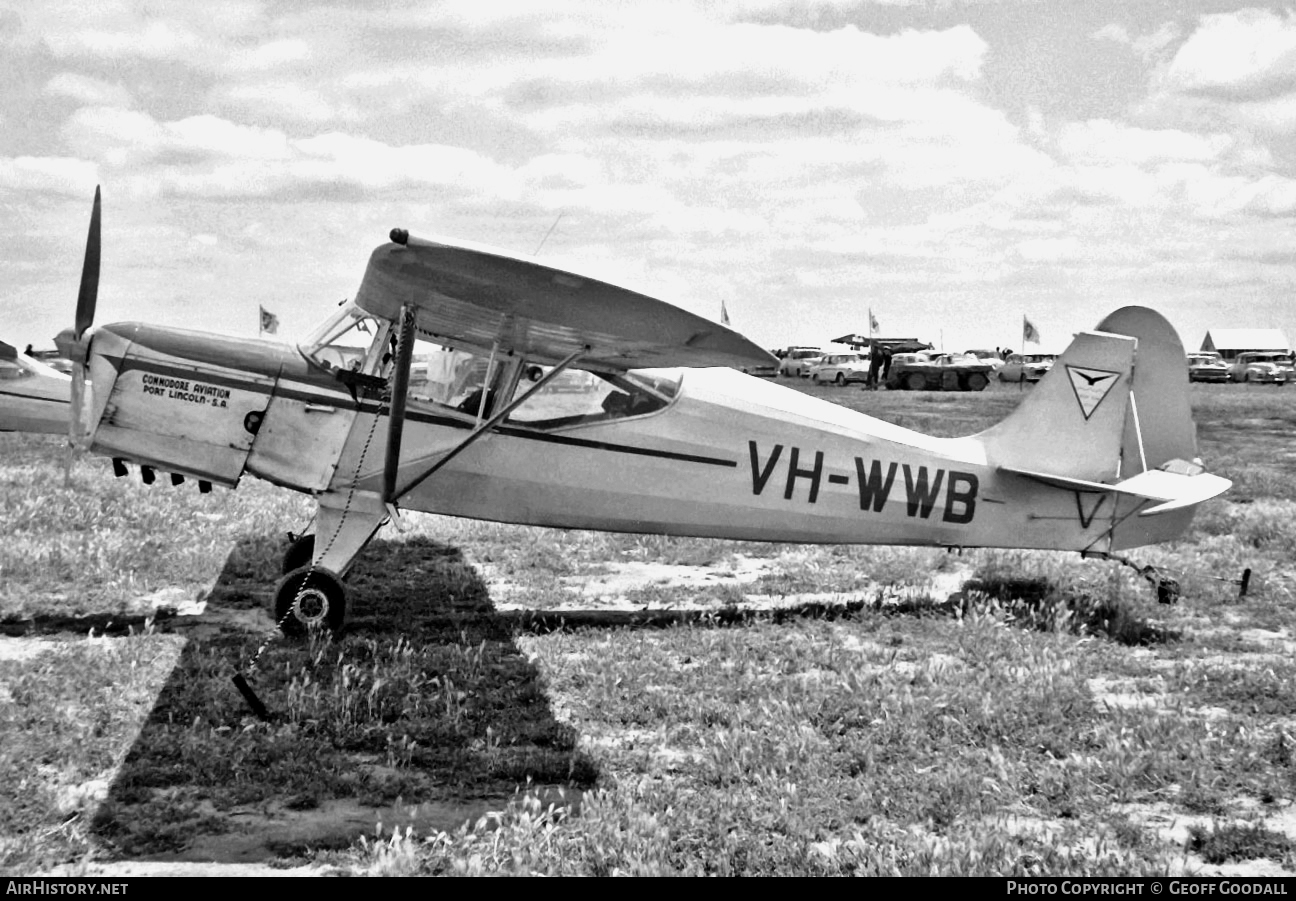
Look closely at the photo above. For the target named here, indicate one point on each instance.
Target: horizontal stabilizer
(1174, 490)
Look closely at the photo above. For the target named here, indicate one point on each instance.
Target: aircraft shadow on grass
(425, 714)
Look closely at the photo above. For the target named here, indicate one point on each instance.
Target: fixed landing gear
(311, 593)
(301, 550)
(1165, 586)
(309, 598)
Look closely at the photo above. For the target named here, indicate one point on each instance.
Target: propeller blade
(76, 415)
(71, 345)
(400, 387)
(89, 293)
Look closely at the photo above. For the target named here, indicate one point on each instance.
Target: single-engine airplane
(34, 396)
(472, 382)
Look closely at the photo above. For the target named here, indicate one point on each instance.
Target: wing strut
(399, 391)
(486, 426)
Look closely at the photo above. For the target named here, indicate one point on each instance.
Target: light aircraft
(472, 382)
(34, 396)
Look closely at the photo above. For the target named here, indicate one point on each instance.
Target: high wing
(479, 297)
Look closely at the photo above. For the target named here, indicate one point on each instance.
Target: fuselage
(34, 398)
(730, 456)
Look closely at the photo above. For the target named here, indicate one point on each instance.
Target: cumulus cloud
(285, 100)
(127, 137)
(1105, 140)
(209, 156)
(59, 175)
(1050, 250)
(1247, 55)
(194, 33)
(89, 91)
(270, 55)
(1148, 46)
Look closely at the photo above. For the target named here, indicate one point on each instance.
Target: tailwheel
(300, 553)
(309, 598)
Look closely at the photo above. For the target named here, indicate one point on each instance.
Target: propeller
(70, 341)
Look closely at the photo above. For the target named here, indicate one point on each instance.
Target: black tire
(915, 381)
(300, 553)
(840, 380)
(309, 598)
(977, 382)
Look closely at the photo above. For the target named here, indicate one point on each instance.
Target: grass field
(1050, 719)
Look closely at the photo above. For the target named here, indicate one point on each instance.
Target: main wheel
(300, 553)
(309, 598)
(915, 381)
(977, 382)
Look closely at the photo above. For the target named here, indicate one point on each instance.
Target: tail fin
(1160, 427)
(1072, 422)
(1113, 416)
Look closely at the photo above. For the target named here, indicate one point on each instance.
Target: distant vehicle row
(1026, 367)
(928, 371)
(916, 370)
(1258, 367)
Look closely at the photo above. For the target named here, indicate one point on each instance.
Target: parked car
(1207, 366)
(796, 361)
(1026, 367)
(987, 356)
(840, 368)
(767, 371)
(1264, 367)
(938, 372)
(575, 381)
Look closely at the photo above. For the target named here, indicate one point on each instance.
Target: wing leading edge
(476, 297)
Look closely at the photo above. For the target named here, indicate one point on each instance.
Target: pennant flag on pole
(269, 322)
(873, 323)
(724, 314)
(1029, 331)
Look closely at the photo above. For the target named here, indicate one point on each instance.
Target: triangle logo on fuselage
(1091, 386)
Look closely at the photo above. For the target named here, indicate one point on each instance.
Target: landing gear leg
(301, 549)
(311, 594)
(1166, 587)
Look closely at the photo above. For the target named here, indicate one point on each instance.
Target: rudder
(1072, 423)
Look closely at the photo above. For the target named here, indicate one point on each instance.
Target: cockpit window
(454, 378)
(350, 339)
(477, 384)
(576, 397)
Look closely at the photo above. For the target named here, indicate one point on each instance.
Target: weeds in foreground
(1230, 842)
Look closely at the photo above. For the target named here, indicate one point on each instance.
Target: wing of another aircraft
(476, 297)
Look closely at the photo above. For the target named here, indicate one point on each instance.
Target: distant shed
(1229, 342)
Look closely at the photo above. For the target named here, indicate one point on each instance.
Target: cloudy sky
(953, 165)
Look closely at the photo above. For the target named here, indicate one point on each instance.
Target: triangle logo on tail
(1091, 386)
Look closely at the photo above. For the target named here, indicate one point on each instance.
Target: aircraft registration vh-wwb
(470, 382)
